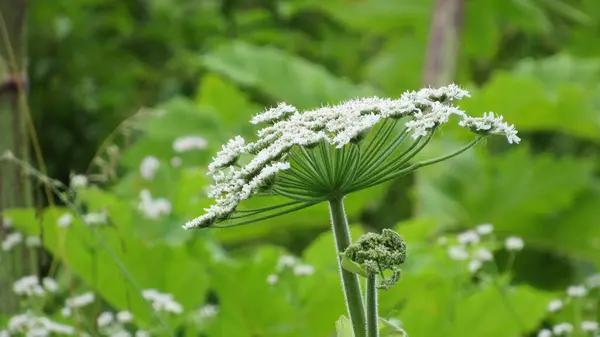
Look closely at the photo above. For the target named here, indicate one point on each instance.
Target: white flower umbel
(272, 279)
(469, 237)
(104, 319)
(589, 326)
(28, 286)
(484, 229)
(65, 220)
(162, 302)
(304, 270)
(313, 156)
(555, 305)
(148, 167)
(93, 219)
(153, 209)
(80, 300)
(124, 316)
(544, 333)
(562, 329)
(11, 240)
(188, 143)
(30, 325)
(78, 181)
(514, 243)
(577, 291)
(458, 253)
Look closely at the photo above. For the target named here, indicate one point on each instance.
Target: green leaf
(389, 329)
(280, 75)
(352, 266)
(343, 327)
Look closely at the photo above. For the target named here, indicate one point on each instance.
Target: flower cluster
(375, 253)
(153, 208)
(31, 325)
(187, 143)
(290, 133)
(473, 245)
(77, 302)
(289, 262)
(31, 286)
(162, 302)
(577, 297)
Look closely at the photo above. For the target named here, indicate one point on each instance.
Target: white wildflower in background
(176, 161)
(153, 209)
(272, 279)
(11, 241)
(562, 329)
(285, 261)
(484, 229)
(162, 302)
(92, 219)
(6, 222)
(483, 255)
(148, 167)
(458, 253)
(142, 333)
(208, 311)
(474, 266)
(304, 270)
(276, 162)
(50, 284)
(589, 326)
(65, 220)
(187, 143)
(442, 241)
(33, 241)
(66, 312)
(577, 291)
(468, 237)
(544, 333)
(105, 318)
(33, 326)
(514, 243)
(78, 181)
(555, 305)
(4, 333)
(80, 301)
(124, 316)
(28, 286)
(593, 281)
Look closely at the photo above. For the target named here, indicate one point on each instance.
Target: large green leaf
(281, 75)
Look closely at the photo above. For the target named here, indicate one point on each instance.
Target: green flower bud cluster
(372, 254)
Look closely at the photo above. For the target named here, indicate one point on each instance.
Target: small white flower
(124, 316)
(468, 237)
(66, 312)
(153, 209)
(95, 219)
(28, 286)
(577, 291)
(4, 333)
(7, 223)
(285, 261)
(11, 240)
(485, 229)
(555, 305)
(188, 143)
(281, 111)
(65, 220)
(162, 302)
(176, 161)
(589, 326)
(50, 284)
(148, 167)
(272, 279)
(474, 266)
(483, 255)
(79, 181)
(458, 253)
(544, 333)
(105, 318)
(514, 243)
(33, 241)
(593, 281)
(141, 333)
(208, 311)
(304, 270)
(562, 329)
(80, 301)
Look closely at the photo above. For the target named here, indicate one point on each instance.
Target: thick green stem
(350, 281)
(372, 312)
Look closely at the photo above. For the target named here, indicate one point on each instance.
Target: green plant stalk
(350, 281)
(371, 303)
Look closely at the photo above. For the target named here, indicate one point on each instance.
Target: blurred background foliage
(210, 65)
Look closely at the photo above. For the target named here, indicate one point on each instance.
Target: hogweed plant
(324, 154)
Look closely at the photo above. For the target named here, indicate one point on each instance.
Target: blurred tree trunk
(444, 42)
(15, 189)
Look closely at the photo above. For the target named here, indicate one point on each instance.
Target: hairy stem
(350, 281)
(372, 311)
